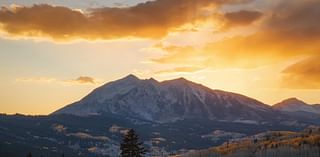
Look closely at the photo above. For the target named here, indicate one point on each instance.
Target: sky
(54, 52)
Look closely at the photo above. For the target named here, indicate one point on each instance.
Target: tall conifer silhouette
(130, 146)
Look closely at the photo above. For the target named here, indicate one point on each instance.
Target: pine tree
(130, 146)
(29, 155)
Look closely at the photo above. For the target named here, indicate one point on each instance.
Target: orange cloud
(80, 80)
(180, 70)
(83, 80)
(153, 19)
(289, 32)
(302, 75)
(36, 79)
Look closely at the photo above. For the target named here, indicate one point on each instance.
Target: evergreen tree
(29, 155)
(130, 146)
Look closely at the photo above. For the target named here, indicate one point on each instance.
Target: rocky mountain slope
(169, 101)
(296, 105)
(170, 117)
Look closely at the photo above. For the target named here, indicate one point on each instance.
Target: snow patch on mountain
(168, 101)
(296, 105)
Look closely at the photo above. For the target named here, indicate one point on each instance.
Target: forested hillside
(268, 144)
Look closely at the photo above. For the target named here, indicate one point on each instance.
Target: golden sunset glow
(55, 53)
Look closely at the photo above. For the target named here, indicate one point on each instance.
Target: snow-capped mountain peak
(296, 105)
(293, 101)
(131, 77)
(168, 101)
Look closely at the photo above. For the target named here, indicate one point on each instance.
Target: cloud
(290, 30)
(304, 74)
(240, 18)
(295, 21)
(82, 80)
(36, 79)
(152, 19)
(180, 70)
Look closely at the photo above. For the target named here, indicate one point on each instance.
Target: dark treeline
(130, 146)
(272, 144)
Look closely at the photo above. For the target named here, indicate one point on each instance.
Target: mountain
(298, 109)
(169, 101)
(169, 116)
(296, 105)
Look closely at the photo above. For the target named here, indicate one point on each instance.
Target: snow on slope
(296, 105)
(168, 101)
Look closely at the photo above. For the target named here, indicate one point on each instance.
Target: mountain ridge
(171, 116)
(296, 105)
(168, 101)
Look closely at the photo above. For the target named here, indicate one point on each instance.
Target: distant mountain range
(170, 117)
(179, 99)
